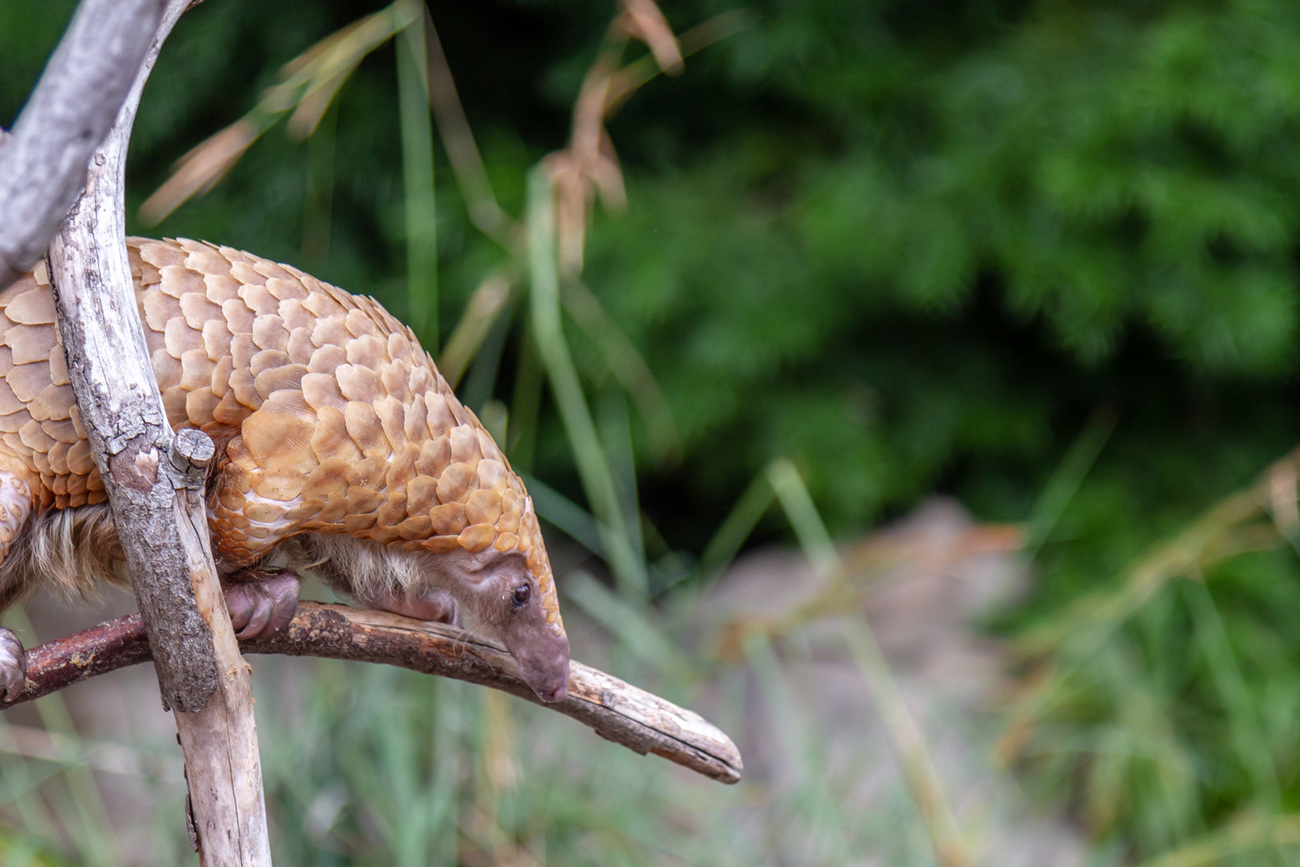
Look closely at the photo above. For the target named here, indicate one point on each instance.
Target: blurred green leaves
(1058, 182)
(906, 245)
(1155, 705)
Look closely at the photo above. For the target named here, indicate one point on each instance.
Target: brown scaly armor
(335, 433)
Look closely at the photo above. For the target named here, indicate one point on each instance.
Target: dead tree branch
(122, 411)
(44, 164)
(155, 482)
(616, 710)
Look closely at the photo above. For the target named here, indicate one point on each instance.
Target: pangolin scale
(334, 431)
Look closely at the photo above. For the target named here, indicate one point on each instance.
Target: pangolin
(340, 450)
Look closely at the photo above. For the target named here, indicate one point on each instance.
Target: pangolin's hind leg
(15, 509)
(261, 601)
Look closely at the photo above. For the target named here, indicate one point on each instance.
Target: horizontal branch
(616, 710)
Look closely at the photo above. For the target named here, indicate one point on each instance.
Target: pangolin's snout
(544, 666)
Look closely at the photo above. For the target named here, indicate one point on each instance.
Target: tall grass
(421, 215)
(1163, 705)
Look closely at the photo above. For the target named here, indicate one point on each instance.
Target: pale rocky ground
(931, 578)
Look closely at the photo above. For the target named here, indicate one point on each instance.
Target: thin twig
(616, 710)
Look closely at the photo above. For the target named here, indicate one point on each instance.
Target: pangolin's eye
(521, 595)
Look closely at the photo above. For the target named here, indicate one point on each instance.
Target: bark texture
(155, 484)
(615, 710)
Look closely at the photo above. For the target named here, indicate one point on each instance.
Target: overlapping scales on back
(42, 441)
(335, 419)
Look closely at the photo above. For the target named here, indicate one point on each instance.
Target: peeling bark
(155, 482)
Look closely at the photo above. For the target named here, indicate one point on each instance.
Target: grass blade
(1247, 836)
(1244, 725)
(627, 623)
(627, 365)
(904, 733)
(568, 516)
(801, 512)
(525, 405)
(417, 173)
(736, 527)
(588, 451)
(1065, 482)
(485, 307)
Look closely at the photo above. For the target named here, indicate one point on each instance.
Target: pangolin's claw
(262, 602)
(437, 605)
(13, 666)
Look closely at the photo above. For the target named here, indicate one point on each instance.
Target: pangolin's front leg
(15, 508)
(436, 604)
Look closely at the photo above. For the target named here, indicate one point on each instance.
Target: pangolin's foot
(261, 602)
(436, 604)
(13, 666)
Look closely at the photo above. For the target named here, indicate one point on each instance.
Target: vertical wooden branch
(155, 485)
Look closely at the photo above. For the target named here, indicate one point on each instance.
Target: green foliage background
(913, 246)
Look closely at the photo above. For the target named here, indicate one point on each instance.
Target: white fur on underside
(74, 552)
(358, 568)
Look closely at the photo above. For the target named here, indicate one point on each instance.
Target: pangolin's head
(506, 591)
(506, 595)
(449, 493)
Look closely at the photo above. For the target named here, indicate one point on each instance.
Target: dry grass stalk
(1257, 518)
(589, 165)
(307, 87)
(644, 20)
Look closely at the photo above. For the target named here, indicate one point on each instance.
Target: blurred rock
(922, 585)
